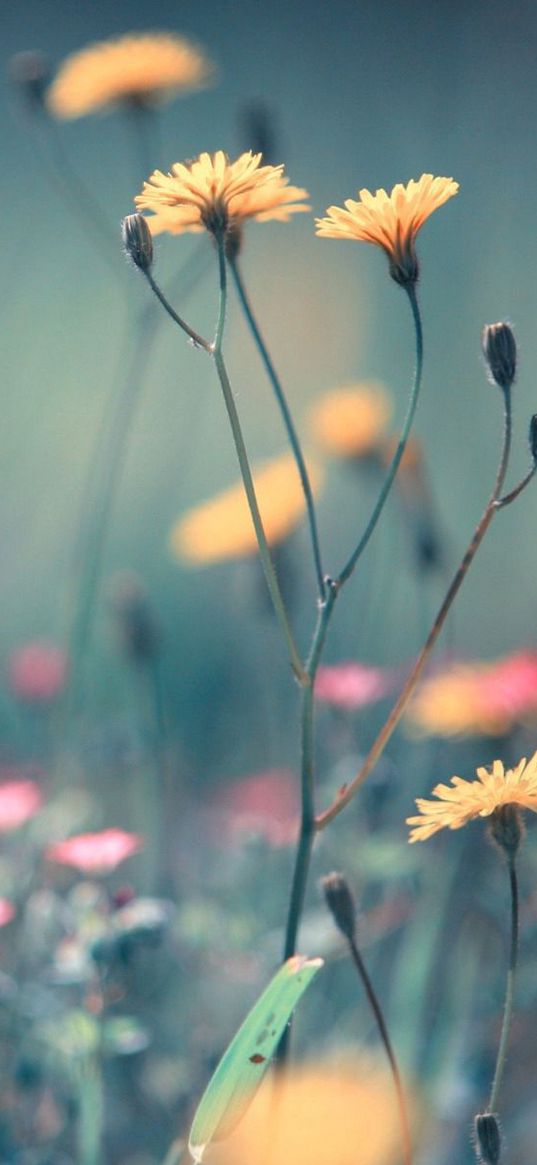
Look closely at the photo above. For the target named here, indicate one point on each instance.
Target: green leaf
(244, 1063)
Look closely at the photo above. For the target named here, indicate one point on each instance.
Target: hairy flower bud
(340, 902)
(507, 828)
(499, 350)
(138, 241)
(532, 436)
(488, 1138)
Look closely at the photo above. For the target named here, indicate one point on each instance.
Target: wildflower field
(268, 648)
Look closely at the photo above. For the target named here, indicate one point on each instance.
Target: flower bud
(499, 350)
(488, 1138)
(140, 634)
(341, 904)
(29, 73)
(507, 828)
(138, 241)
(532, 436)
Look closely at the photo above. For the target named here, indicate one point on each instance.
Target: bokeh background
(356, 94)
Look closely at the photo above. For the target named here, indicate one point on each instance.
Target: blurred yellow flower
(222, 527)
(343, 1113)
(482, 699)
(461, 801)
(392, 221)
(350, 421)
(215, 194)
(138, 69)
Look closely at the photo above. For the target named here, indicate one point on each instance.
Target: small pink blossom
(509, 687)
(7, 911)
(37, 672)
(352, 685)
(95, 853)
(19, 800)
(265, 804)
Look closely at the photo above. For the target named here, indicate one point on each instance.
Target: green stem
(287, 420)
(240, 447)
(385, 1037)
(395, 715)
(396, 460)
(90, 1112)
(197, 340)
(509, 992)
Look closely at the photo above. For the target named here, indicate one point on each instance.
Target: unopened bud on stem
(532, 437)
(488, 1138)
(138, 241)
(340, 902)
(499, 350)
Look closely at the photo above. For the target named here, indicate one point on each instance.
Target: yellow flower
(450, 704)
(463, 800)
(222, 528)
(218, 195)
(337, 1112)
(138, 69)
(350, 421)
(392, 221)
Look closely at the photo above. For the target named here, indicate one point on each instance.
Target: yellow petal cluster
(391, 221)
(222, 527)
(350, 421)
(463, 800)
(342, 1113)
(140, 68)
(213, 193)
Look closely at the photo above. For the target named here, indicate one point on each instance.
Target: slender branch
(197, 340)
(287, 420)
(515, 493)
(509, 992)
(395, 715)
(397, 457)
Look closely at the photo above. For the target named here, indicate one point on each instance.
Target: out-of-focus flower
(479, 698)
(352, 685)
(95, 853)
(391, 221)
(140, 635)
(19, 801)
(217, 195)
(345, 1113)
(7, 911)
(265, 804)
(141, 69)
(222, 528)
(463, 800)
(37, 672)
(350, 421)
(29, 73)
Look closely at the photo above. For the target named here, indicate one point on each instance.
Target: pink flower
(265, 804)
(95, 853)
(509, 687)
(352, 685)
(19, 800)
(7, 911)
(37, 672)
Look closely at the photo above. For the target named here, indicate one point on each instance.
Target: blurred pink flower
(509, 687)
(7, 911)
(37, 671)
(95, 853)
(352, 685)
(266, 804)
(19, 800)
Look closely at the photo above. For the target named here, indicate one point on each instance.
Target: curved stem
(266, 561)
(515, 493)
(395, 715)
(197, 340)
(509, 992)
(385, 1037)
(396, 460)
(287, 420)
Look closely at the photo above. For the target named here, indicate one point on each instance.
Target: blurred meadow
(147, 704)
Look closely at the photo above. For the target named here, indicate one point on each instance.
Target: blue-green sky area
(361, 94)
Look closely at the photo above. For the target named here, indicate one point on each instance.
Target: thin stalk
(396, 460)
(384, 1035)
(515, 493)
(395, 715)
(509, 992)
(197, 340)
(240, 447)
(287, 420)
(90, 1112)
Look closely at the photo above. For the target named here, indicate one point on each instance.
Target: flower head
(392, 221)
(265, 804)
(19, 800)
(482, 699)
(217, 195)
(37, 672)
(350, 421)
(95, 853)
(138, 69)
(463, 800)
(222, 528)
(352, 685)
